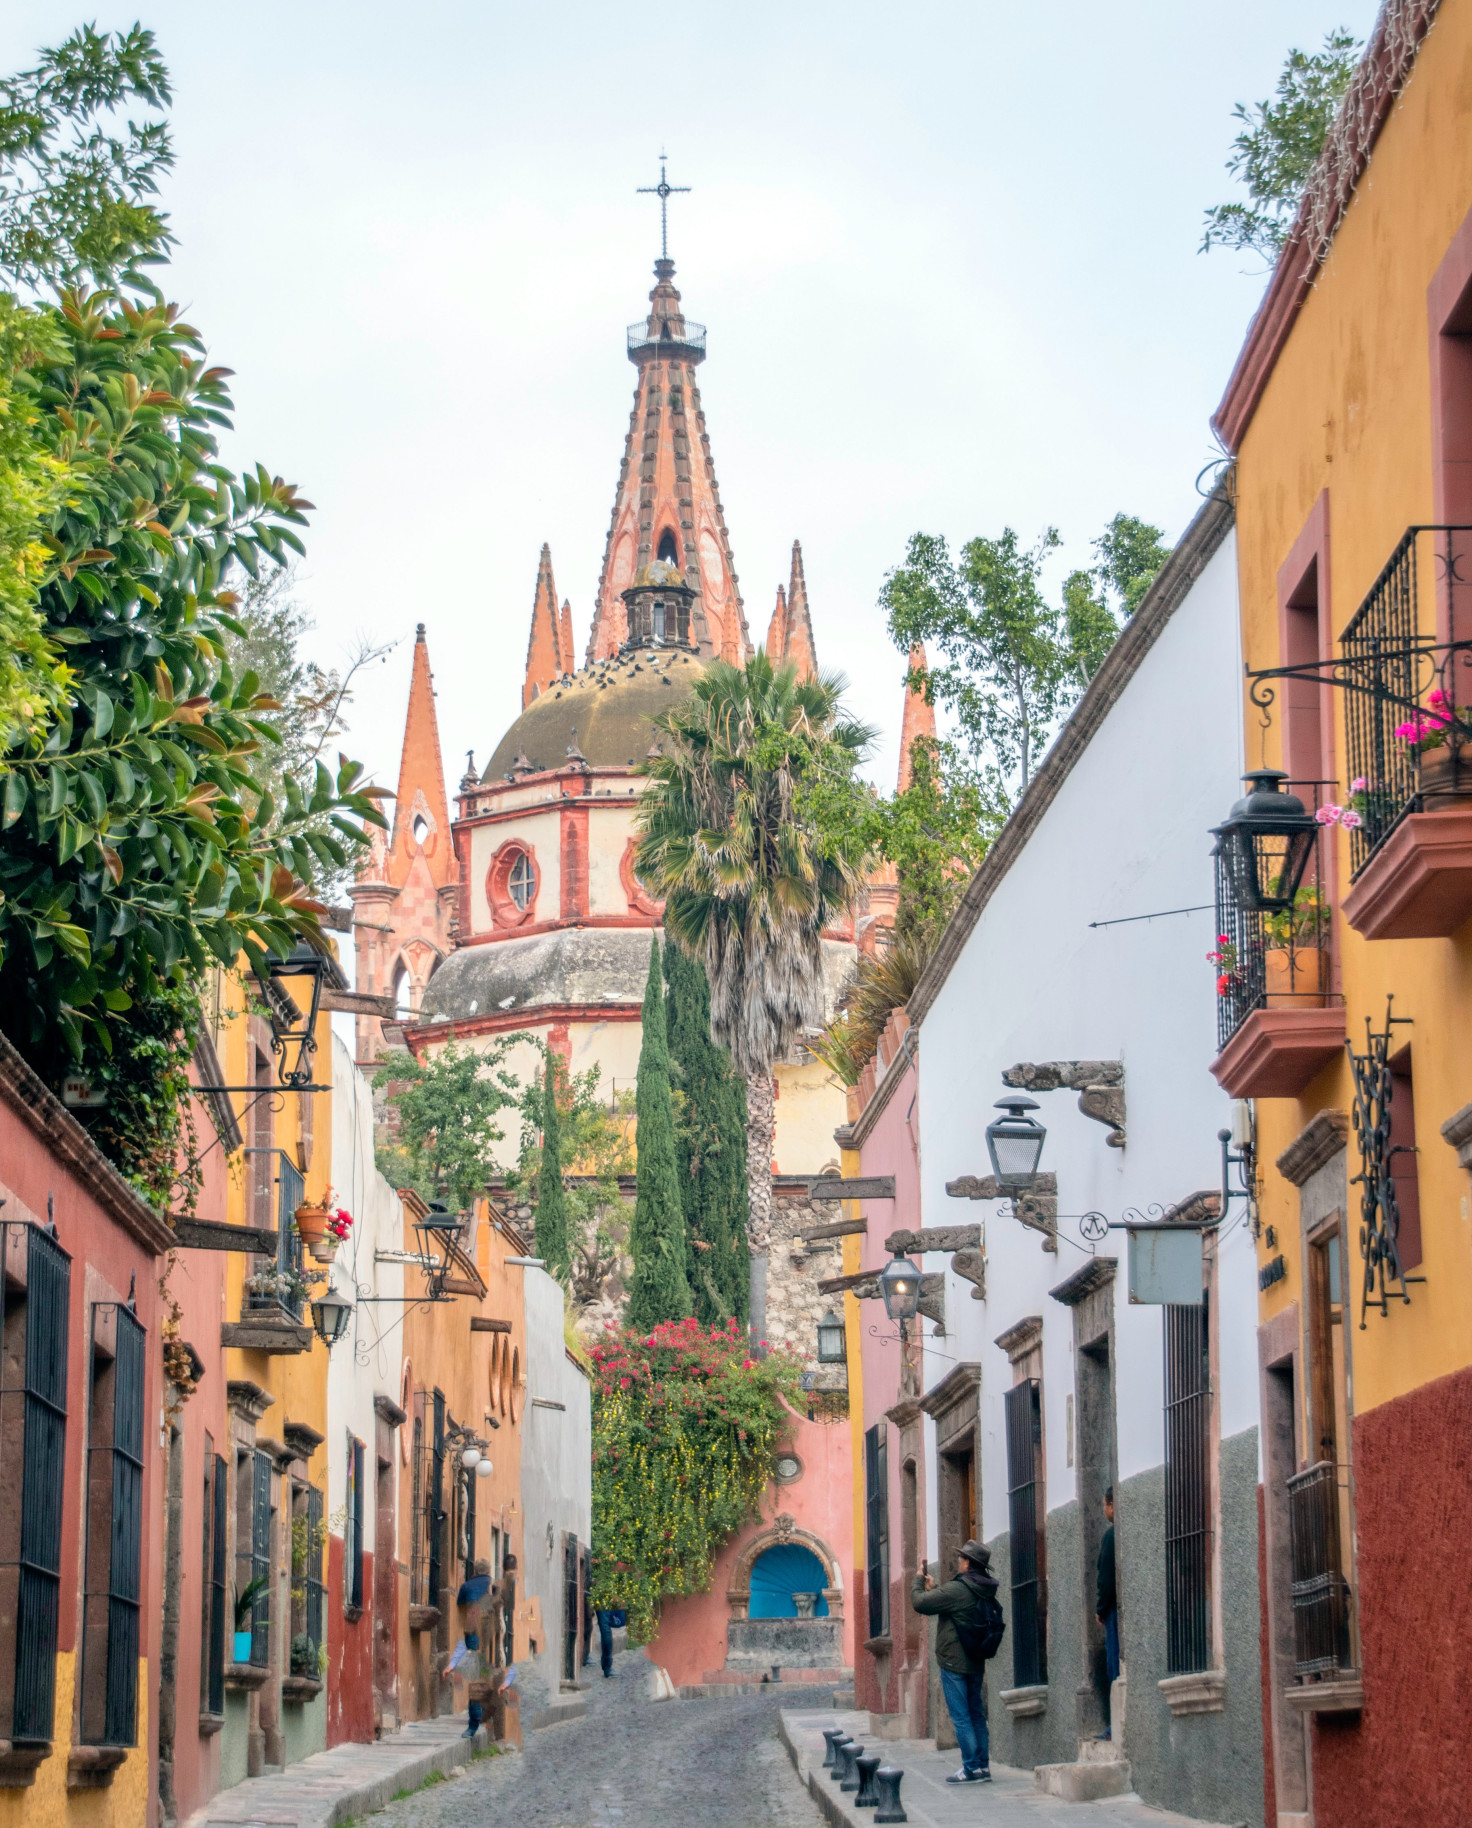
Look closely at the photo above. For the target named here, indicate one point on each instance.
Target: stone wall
(794, 1270)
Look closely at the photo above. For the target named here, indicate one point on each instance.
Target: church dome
(606, 708)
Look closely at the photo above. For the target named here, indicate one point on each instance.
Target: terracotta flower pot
(1294, 979)
(1446, 772)
(311, 1222)
(323, 1249)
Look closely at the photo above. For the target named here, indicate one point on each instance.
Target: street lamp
(900, 1287)
(330, 1315)
(1265, 842)
(483, 1469)
(293, 1031)
(438, 1226)
(1015, 1144)
(470, 1458)
(831, 1346)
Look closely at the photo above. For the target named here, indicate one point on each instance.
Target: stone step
(1085, 1782)
(808, 1674)
(1093, 1751)
(724, 1691)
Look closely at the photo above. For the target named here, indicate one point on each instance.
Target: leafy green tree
(75, 197)
(1095, 602)
(710, 1128)
(1279, 145)
(749, 875)
(447, 1109)
(658, 1289)
(552, 1241)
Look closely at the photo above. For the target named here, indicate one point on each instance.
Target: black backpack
(980, 1635)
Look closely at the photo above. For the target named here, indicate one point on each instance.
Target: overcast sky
(946, 254)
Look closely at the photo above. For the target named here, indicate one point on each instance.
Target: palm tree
(731, 836)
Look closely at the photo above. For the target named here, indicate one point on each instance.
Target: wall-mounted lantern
(900, 1287)
(439, 1228)
(293, 1030)
(1015, 1144)
(832, 1348)
(1265, 841)
(330, 1316)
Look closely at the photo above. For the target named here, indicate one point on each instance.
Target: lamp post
(1015, 1144)
(1265, 842)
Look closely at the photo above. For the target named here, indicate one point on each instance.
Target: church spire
(919, 723)
(545, 661)
(801, 650)
(777, 629)
(421, 810)
(566, 656)
(668, 506)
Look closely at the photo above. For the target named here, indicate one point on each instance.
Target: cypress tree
(552, 1244)
(659, 1289)
(711, 1137)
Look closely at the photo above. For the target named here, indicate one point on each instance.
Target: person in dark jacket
(1106, 1606)
(962, 1678)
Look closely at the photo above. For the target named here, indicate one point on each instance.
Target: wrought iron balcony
(1321, 1595)
(679, 334)
(280, 1281)
(1272, 960)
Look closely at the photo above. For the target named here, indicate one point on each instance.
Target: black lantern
(831, 1348)
(438, 1227)
(330, 1315)
(1015, 1144)
(900, 1287)
(1265, 842)
(294, 1031)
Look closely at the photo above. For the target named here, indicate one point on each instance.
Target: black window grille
(352, 1560)
(279, 1279)
(437, 1501)
(215, 1574)
(876, 1513)
(1374, 1095)
(1390, 667)
(468, 1483)
(1272, 960)
(257, 1559)
(316, 1590)
(419, 1511)
(1187, 1488)
(1321, 1598)
(33, 1397)
(114, 1553)
(1024, 1410)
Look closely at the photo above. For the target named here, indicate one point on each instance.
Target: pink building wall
(691, 1641)
(891, 1678)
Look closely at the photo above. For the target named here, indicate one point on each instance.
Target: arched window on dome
(668, 551)
(512, 882)
(522, 881)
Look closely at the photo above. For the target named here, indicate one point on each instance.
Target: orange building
(1346, 1015)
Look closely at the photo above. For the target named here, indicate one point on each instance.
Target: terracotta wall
(349, 1654)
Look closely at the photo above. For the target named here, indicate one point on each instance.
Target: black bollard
(851, 1755)
(831, 1737)
(866, 1767)
(840, 1746)
(887, 1786)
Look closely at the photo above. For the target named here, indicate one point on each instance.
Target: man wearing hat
(968, 1634)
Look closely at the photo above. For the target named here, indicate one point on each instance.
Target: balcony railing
(1321, 1596)
(1399, 677)
(1272, 960)
(280, 1279)
(681, 334)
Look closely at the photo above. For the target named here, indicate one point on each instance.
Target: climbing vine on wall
(685, 1427)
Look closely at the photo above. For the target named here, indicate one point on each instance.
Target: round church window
(521, 881)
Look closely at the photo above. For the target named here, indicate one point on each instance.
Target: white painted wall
(1126, 835)
(366, 1361)
(556, 1461)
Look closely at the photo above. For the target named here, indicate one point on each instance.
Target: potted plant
(311, 1222)
(339, 1224)
(245, 1599)
(307, 1658)
(1295, 942)
(1440, 737)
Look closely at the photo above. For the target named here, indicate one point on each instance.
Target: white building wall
(556, 1464)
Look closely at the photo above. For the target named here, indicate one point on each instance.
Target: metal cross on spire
(664, 190)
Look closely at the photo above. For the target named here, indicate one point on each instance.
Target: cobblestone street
(631, 1763)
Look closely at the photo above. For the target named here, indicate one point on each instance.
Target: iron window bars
(1388, 670)
(876, 1511)
(436, 1505)
(1374, 1089)
(1024, 1412)
(1321, 1597)
(253, 1557)
(1187, 1487)
(571, 1609)
(316, 1590)
(419, 1517)
(1282, 959)
(352, 1558)
(215, 1499)
(112, 1591)
(34, 1421)
(287, 1271)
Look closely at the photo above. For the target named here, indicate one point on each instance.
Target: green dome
(607, 706)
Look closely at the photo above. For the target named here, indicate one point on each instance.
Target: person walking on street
(1106, 1606)
(968, 1634)
(609, 1620)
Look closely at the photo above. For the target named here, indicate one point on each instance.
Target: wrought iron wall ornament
(1374, 1088)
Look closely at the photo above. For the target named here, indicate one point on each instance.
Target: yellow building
(1346, 1015)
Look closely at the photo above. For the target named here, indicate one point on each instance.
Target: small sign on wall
(1165, 1265)
(78, 1093)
